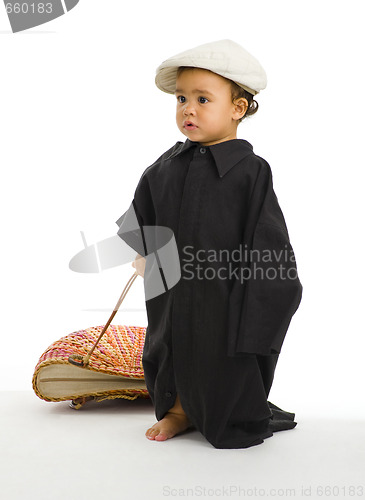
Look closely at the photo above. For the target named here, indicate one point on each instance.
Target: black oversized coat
(215, 336)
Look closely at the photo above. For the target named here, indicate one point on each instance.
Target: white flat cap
(224, 57)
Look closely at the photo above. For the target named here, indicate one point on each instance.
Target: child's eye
(181, 98)
(202, 100)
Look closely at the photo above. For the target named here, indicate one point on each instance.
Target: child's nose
(189, 109)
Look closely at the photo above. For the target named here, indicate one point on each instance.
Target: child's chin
(191, 134)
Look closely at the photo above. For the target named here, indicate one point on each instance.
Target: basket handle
(83, 361)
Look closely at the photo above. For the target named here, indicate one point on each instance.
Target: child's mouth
(189, 126)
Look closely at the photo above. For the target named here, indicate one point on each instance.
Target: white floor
(49, 451)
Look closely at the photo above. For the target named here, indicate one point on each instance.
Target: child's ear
(240, 107)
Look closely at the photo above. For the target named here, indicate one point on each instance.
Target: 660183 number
(31, 8)
(340, 491)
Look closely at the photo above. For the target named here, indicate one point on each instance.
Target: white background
(81, 119)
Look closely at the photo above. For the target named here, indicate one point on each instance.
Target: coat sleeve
(268, 292)
(138, 229)
(141, 212)
(131, 223)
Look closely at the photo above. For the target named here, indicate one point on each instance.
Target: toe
(161, 437)
(151, 433)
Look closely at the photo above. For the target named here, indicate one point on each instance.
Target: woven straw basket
(114, 370)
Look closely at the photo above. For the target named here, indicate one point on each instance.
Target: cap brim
(166, 79)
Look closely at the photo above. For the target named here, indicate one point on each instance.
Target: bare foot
(174, 422)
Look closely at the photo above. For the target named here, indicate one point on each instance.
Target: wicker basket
(114, 370)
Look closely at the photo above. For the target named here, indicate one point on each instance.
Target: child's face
(205, 112)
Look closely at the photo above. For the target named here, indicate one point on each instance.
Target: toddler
(214, 337)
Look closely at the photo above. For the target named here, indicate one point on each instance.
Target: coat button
(203, 151)
(168, 394)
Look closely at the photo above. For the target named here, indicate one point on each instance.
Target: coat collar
(226, 154)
